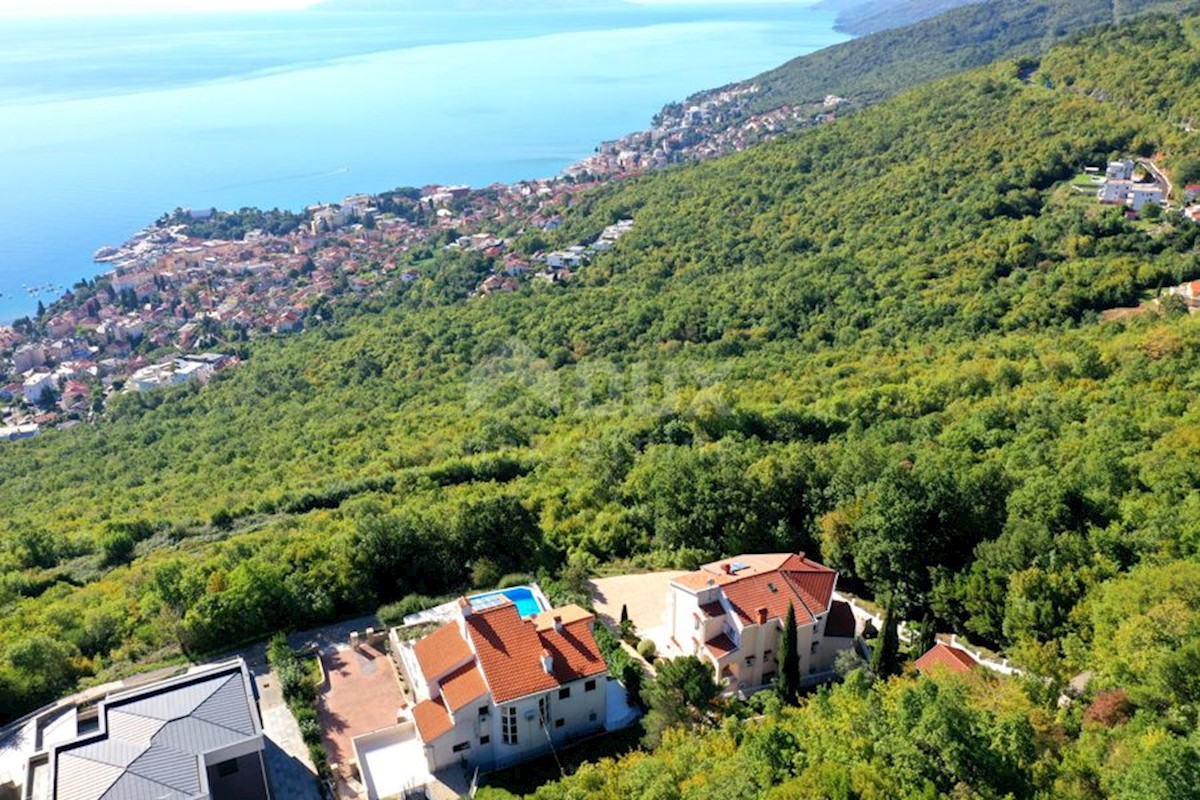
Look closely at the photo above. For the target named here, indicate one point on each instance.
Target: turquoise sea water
(105, 124)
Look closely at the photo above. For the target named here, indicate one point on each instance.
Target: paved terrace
(362, 695)
(645, 597)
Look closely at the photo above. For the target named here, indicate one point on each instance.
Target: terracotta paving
(363, 695)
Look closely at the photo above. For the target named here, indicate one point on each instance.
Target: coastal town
(705, 126)
(183, 291)
(177, 298)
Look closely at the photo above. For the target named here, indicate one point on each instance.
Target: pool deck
(449, 611)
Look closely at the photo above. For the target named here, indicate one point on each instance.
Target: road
(1158, 174)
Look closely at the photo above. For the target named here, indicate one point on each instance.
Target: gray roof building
(194, 737)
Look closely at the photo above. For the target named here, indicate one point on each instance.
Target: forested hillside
(873, 67)
(871, 17)
(877, 342)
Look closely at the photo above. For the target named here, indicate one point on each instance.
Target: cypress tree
(886, 653)
(789, 660)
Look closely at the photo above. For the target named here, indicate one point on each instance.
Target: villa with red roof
(731, 614)
(494, 687)
(946, 657)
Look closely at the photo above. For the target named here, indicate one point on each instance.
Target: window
(592, 717)
(508, 725)
(749, 661)
(558, 723)
(227, 768)
(768, 654)
(564, 693)
(458, 748)
(768, 677)
(483, 711)
(485, 740)
(544, 711)
(590, 686)
(815, 645)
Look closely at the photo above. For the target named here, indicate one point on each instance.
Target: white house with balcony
(731, 614)
(494, 687)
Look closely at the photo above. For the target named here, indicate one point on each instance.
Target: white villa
(731, 614)
(494, 688)
(1119, 188)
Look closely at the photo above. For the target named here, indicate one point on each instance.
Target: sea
(108, 122)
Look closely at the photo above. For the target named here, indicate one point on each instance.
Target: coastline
(164, 149)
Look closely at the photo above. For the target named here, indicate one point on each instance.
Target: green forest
(882, 342)
(871, 68)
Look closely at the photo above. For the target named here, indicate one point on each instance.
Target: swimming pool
(526, 601)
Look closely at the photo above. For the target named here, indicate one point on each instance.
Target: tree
(789, 660)
(682, 693)
(116, 545)
(885, 657)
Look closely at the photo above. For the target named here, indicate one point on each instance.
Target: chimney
(464, 605)
(762, 616)
(558, 625)
(547, 662)
(728, 567)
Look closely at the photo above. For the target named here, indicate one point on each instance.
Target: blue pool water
(522, 596)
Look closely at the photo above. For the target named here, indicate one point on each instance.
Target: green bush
(632, 676)
(295, 683)
(310, 731)
(513, 579)
(304, 714)
(647, 649)
(316, 751)
(393, 614)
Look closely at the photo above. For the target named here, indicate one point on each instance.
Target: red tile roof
(720, 646)
(432, 719)
(441, 651)
(462, 686)
(510, 651)
(768, 580)
(943, 656)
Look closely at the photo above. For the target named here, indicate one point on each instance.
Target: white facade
(36, 385)
(493, 736)
(494, 689)
(1140, 195)
(1120, 170)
